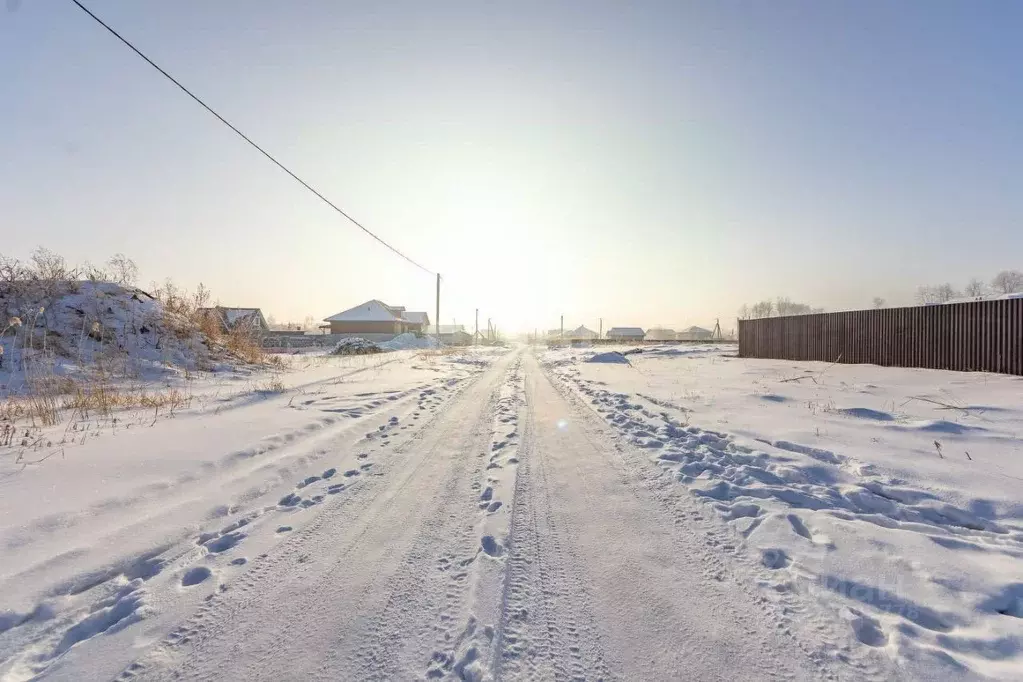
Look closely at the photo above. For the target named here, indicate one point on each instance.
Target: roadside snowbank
(409, 341)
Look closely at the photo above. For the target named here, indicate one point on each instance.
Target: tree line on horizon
(779, 307)
(1005, 282)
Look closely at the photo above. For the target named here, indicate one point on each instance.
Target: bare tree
(1008, 282)
(878, 302)
(762, 309)
(974, 288)
(744, 312)
(931, 295)
(785, 306)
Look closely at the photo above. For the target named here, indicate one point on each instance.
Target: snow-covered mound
(355, 346)
(612, 357)
(66, 328)
(409, 341)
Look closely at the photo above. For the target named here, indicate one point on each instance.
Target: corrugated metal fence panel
(977, 336)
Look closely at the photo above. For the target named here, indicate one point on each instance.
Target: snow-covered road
(506, 539)
(486, 524)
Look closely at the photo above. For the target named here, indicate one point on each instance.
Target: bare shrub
(123, 270)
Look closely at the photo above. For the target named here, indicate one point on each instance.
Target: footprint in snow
(290, 500)
(351, 472)
(775, 559)
(194, 576)
(224, 542)
(491, 546)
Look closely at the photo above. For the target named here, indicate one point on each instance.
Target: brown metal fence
(981, 336)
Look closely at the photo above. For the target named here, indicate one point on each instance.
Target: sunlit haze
(651, 163)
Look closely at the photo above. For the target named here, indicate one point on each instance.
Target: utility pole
(562, 327)
(600, 334)
(438, 309)
(476, 334)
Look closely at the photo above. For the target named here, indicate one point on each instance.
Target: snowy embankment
(78, 331)
(888, 497)
(134, 521)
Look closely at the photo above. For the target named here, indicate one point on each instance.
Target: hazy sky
(645, 162)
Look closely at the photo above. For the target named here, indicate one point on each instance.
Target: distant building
(581, 333)
(451, 334)
(625, 334)
(417, 322)
(231, 319)
(695, 334)
(659, 334)
(377, 321)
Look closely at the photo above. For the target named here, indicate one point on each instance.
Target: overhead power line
(246, 137)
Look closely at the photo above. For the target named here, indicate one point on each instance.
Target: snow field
(133, 530)
(851, 487)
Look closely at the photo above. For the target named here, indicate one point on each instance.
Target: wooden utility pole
(562, 327)
(437, 319)
(600, 333)
(476, 334)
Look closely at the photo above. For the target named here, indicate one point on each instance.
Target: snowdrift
(65, 328)
(409, 341)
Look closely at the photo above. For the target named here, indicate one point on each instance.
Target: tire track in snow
(464, 646)
(642, 606)
(439, 597)
(546, 629)
(198, 643)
